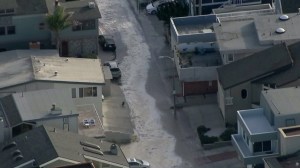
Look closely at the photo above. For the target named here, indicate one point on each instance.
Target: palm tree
(57, 22)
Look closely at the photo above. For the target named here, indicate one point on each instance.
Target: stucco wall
(289, 144)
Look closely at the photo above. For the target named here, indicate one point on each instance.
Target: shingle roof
(255, 66)
(54, 143)
(290, 6)
(290, 74)
(11, 111)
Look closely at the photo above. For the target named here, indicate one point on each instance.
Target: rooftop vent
(92, 5)
(96, 151)
(55, 73)
(55, 110)
(19, 157)
(284, 17)
(114, 149)
(88, 144)
(10, 145)
(280, 30)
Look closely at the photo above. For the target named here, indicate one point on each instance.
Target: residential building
(240, 37)
(203, 7)
(57, 148)
(257, 135)
(239, 88)
(288, 161)
(31, 70)
(21, 112)
(23, 26)
(195, 53)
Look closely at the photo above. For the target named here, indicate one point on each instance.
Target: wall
(280, 121)
(27, 32)
(238, 102)
(190, 47)
(198, 73)
(289, 144)
(255, 92)
(83, 47)
(221, 99)
(68, 33)
(59, 123)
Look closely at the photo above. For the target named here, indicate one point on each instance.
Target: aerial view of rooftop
(149, 83)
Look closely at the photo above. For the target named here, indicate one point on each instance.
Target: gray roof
(21, 66)
(9, 108)
(53, 144)
(37, 105)
(25, 7)
(288, 75)
(287, 161)
(254, 66)
(283, 101)
(255, 121)
(81, 10)
(290, 6)
(233, 8)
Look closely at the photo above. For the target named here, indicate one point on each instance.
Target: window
(42, 26)
(2, 11)
(73, 92)
(88, 25)
(244, 93)
(88, 92)
(2, 30)
(290, 122)
(264, 146)
(84, 25)
(230, 58)
(11, 30)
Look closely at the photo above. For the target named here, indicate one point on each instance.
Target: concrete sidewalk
(117, 122)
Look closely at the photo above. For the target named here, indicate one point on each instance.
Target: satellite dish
(284, 17)
(280, 30)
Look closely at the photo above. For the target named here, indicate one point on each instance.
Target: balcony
(245, 154)
(198, 66)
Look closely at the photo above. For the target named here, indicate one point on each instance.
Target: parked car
(114, 69)
(107, 42)
(151, 8)
(137, 163)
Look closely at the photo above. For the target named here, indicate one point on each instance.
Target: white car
(137, 163)
(114, 69)
(151, 8)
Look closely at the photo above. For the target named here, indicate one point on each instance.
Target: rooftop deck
(192, 59)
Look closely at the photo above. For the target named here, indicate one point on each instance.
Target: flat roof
(284, 101)
(267, 25)
(37, 105)
(255, 121)
(237, 35)
(288, 161)
(21, 66)
(81, 70)
(234, 8)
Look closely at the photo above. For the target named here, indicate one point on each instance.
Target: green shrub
(208, 140)
(202, 130)
(226, 135)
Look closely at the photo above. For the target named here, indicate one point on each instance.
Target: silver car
(137, 163)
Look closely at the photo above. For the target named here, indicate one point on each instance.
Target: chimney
(113, 149)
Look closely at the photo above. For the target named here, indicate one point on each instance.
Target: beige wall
(288, 144)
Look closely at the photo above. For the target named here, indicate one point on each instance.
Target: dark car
(107, 42)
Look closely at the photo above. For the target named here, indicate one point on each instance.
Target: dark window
(257, 147)
(10, 10)
(11, 30)
(80, 92)
(2, 11)
(206, 1)
(197, 2)
(266, 145)
(88, 25)
(244, 93)
(76, 27)
(94, 91)
(73, 92)
(290, 122)
(2, 30)
(42, 26)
